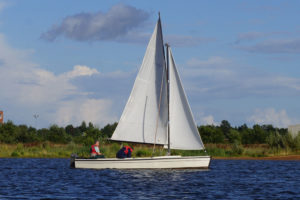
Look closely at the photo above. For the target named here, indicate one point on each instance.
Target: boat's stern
(72, 161)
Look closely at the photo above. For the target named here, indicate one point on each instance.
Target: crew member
(125, 152)
(95, 152)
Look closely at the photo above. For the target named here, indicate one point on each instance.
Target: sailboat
(158, 113)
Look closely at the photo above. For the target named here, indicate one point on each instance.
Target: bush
(297, 142)
(234, 136)
(237, 148)
(46, 145)
(88, 141)
(274, 140)
(215, 151)
(143, 153)
(15, 154)
(58, 135)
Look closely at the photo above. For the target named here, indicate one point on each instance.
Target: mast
(168, 95)
(168, 88)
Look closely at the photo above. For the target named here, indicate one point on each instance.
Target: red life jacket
(126, 149)
(93, 150)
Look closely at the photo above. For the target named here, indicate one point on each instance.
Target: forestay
(183, 131)
(145, 115)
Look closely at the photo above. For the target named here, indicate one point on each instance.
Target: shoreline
(224, 152)
(279, 158)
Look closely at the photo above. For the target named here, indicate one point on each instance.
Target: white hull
(162, 162)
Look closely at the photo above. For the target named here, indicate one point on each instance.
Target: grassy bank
(51, 150)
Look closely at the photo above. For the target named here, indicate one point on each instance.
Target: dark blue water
(53, 179)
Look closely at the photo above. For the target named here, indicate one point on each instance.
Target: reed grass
(51, 150)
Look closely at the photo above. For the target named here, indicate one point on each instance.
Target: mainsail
(183, 130)
(145, 116)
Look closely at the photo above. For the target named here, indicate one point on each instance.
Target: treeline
(86, 134)
(83, 134)
(258, 134)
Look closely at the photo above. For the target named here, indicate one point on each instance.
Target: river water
(226, 179)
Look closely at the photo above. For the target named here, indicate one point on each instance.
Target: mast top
(159, 14)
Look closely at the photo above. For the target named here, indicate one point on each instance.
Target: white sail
(145, 116)
(183, 131)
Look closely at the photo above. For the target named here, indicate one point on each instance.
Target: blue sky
(70, 61)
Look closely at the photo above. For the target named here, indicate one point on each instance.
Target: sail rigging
(183, 130)
(157, 111)
(146, 110)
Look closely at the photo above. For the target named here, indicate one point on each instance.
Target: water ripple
(235, 179)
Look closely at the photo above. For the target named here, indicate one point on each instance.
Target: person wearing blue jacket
(124, 152)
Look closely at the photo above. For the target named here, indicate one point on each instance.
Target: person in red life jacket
(95, 152)
(125, 152)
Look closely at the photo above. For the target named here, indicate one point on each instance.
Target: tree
(259, 134)
(225, 127)
(243, 127)
(234, 136)
(211, 134)
(58, 135)
(91, 126)
(70, 130)
(82, 127)
(26, 135)
(108, 130)
(8, 133)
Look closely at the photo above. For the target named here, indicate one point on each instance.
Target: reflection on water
(52, 178)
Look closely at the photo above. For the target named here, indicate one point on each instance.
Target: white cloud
(122, 23)
(91, 110)
(28, 89)
(208, 120)
(219, 77)
(278, 118)
(81, 70)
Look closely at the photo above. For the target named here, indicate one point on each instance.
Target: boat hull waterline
(161, 162)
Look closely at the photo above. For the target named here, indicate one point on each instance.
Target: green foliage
(297, 142)
(237, 148)
(88, 141)
(15, 154)
(259, 134)
(12, 134)
(115, 147)
(279, 141)
(108, 130)
(234, 136)
(225, 127)
(70, 130)
(58, 135)
(211, 134)
(230, 141)
(215, 151)
(45, 145)
(143, 153)
(8, 133)
(83, 127)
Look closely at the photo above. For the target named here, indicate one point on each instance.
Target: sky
(68, 61)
